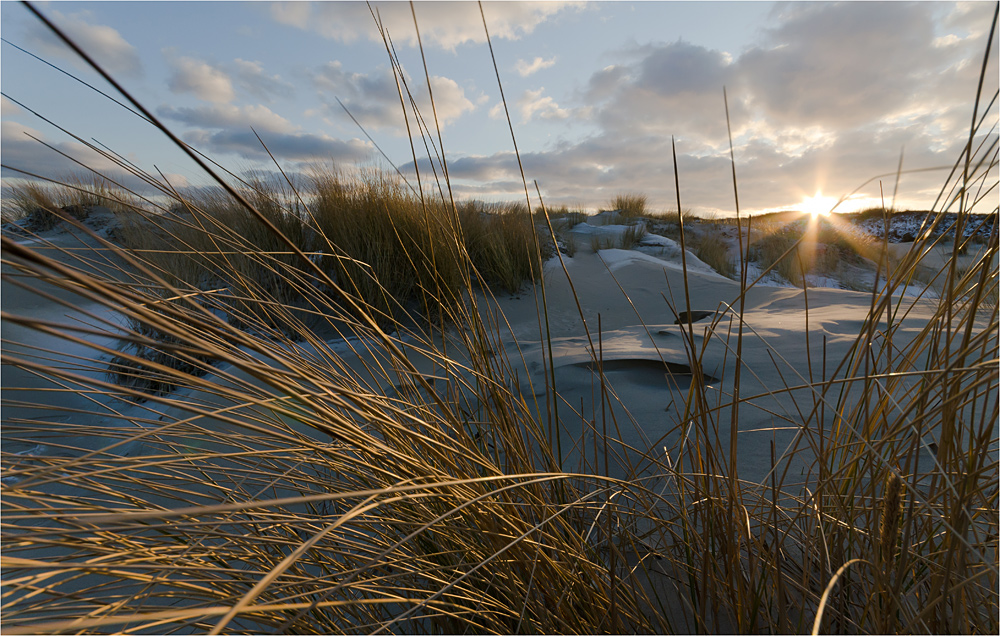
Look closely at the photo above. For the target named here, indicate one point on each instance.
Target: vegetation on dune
(713, 250)
(44, 205)
(500, 241)
(405, 479)
(629, 204)
(811, 248)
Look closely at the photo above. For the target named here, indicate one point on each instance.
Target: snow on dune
(629, 301)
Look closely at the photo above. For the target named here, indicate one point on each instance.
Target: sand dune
(625, 336)
(634, 309)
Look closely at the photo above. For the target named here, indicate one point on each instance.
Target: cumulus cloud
(259, 117)
(605, 82)
(449, 97)
(218, 82)
(103, 43)
(532, 105)
(825, 99)
(292, 146)
(525, 69)
(497, 111)
(829, 65)
(373, 98)
(665, 89)
(680, 68)
(442, 24)
(200, 79)
(291, 13)
(251, 78)
(20, 150)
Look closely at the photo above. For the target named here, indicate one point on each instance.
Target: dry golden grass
(713, 250)
(401, 482)
(629, 205)
(45, 204)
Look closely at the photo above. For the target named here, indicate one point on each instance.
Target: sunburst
(818, 205)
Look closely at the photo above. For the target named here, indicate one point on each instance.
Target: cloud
(665, 89)
(292, 13)
(227, 116)
(104, 44)
(525, 69)
(9, 108)
(824, 100)
(218, 82)
(837, 66)
(532, 105)
(449, 98)
(497, 112)
(202, 80)
(224, 128)
(374, 100)
(371, 97)
(444, 25)
(681, 68)
(290, 146)
(24, 153)
(251, 79)
(970, 19)
(605, 82)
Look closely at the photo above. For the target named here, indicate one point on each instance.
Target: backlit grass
(357, 465)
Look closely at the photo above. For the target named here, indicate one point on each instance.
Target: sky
(822, 97)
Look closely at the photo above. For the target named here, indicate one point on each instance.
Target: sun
(818, 205)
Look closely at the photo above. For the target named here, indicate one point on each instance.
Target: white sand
(628, 293)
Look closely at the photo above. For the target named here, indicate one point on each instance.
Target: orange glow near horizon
(818, 205)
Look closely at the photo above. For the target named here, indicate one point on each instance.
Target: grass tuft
(629, 205)
(713, 250)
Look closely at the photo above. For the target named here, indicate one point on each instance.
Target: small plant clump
(629, 205)
(632, 236)
(713, 250)
(44, 206)
(500, 241)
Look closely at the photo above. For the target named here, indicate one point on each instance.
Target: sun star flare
(818, 205)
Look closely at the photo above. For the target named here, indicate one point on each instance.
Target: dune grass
(404, 480)
(810, 247)
(713, 250)
(388, 247)
(43, 205)
(629, 204)
(563, 221)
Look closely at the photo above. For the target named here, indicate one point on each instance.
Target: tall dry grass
(811, 247)
(713, 250)
(43, 205)
(403, 479)
(629, 204)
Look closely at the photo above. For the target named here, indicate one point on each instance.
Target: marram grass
(366, 459)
